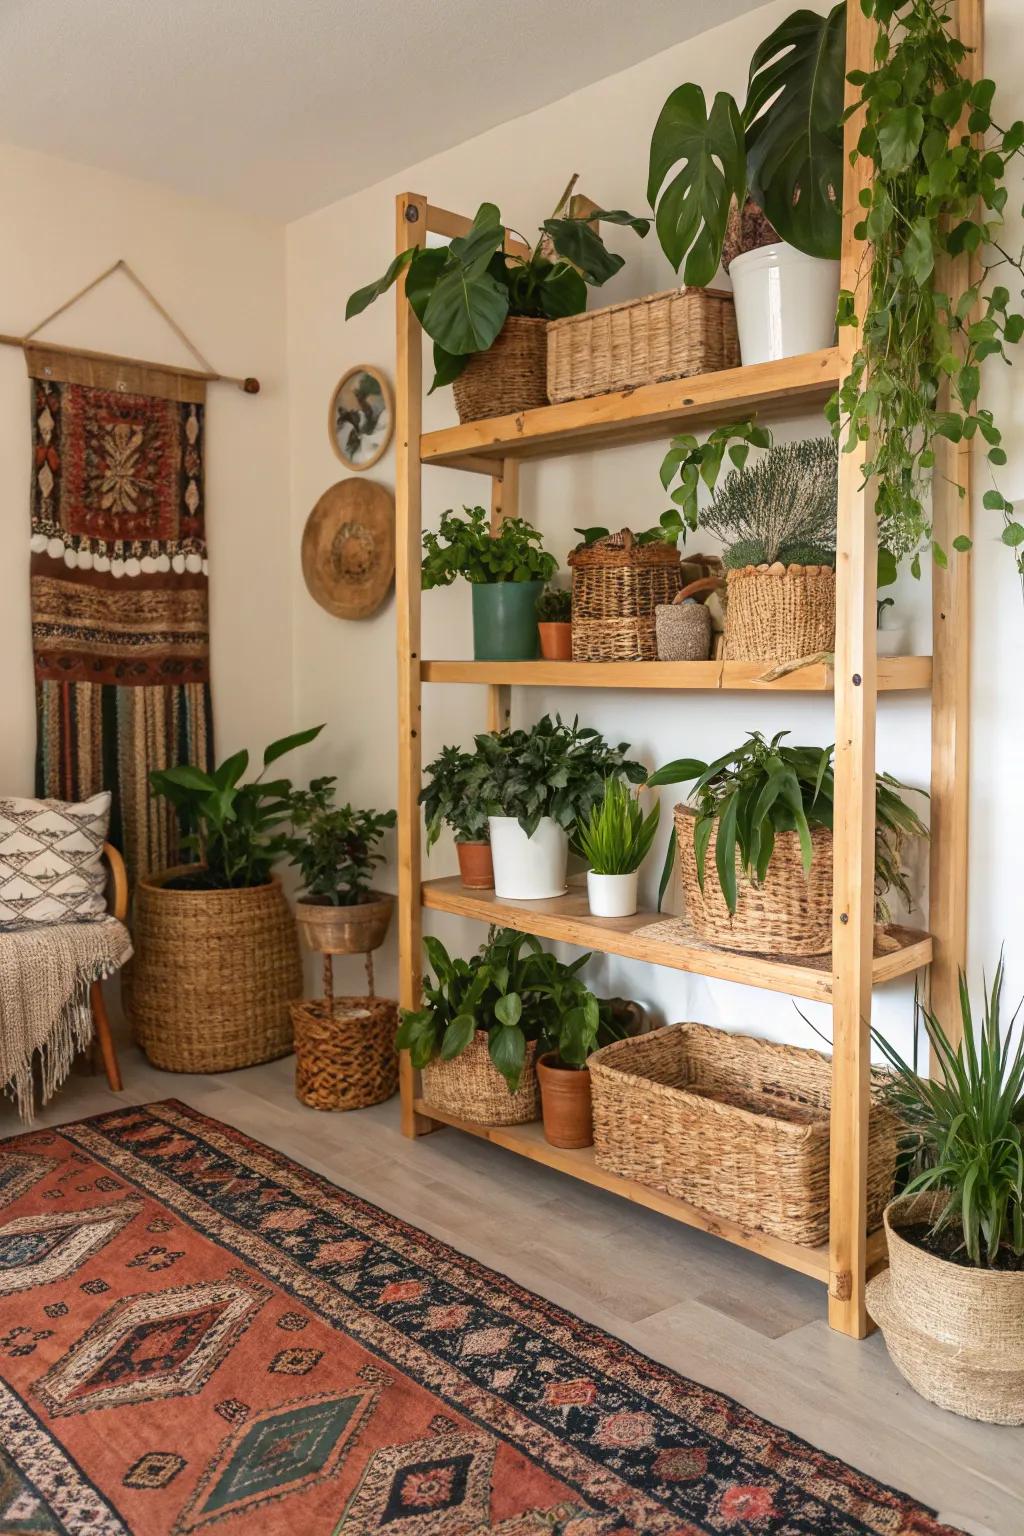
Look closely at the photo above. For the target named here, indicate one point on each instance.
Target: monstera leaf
(692, 209)
(793, 120)
(577, 241)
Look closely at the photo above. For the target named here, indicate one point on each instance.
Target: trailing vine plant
(937, 190)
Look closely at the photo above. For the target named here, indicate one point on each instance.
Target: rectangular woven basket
(737, 1126)
(642, 341)
(616, 586)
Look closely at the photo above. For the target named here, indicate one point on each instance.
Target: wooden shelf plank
(895, 674)
(528, 1141)
(567, 918)
(789, 386)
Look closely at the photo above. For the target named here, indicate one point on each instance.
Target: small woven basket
(345, 1055)
(510, 376)
(471, 1087)
(682, 629)
(736, 1126)
(643, 341)
(780, 613)
(214, 974)
(790, 914)
(616, 586)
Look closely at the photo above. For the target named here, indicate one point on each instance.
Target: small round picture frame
(361, 417)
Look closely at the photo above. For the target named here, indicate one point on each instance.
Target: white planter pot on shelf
(612, 895)
(893, 642)
(528, 868)
(785, 302)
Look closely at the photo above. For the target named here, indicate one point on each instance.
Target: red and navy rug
(197, 1333)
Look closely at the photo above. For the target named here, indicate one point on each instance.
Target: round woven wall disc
(348, 548)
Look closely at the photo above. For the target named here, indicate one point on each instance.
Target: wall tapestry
(120, 627)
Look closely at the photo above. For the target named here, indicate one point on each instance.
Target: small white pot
(612, 895)
(893, 642)
(528, 868)
(785, 302)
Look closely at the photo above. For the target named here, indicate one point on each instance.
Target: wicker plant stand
(617, 584)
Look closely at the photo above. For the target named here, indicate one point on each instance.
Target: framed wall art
(361, 417)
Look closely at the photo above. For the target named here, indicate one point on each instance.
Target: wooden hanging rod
(249, 385)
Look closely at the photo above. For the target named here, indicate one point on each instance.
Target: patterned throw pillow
(51, 865)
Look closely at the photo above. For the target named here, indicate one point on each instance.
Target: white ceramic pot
(528, 868)
(612, 895)
(785, 302)
(893, 642)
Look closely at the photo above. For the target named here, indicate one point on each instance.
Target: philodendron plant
(453, 797)
(552, 769)
(463, 293)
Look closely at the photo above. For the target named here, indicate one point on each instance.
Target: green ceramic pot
(505, 620)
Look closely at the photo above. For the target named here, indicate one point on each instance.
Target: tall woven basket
(345, 1055)
(510, 376)
(780, 613)
(790, 914)
(736, 1126)
(471, 1087)
(617, 584)
(214, 974)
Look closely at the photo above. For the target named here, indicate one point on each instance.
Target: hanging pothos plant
(936, 190)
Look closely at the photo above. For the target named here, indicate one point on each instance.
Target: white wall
(221, 274)
(345, 672)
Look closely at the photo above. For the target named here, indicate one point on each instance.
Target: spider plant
(616, 837)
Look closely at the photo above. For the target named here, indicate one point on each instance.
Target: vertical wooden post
(410, 229)
(951, 662)
(504, 503)
(854, 833)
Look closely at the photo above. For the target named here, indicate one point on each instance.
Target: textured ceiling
(282, 106)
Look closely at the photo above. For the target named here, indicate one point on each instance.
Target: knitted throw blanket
(45, 974)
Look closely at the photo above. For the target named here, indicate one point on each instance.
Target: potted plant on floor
(486, 309)
(538, 783)
(506, 572)
(335, 849)
(554, 623)
(763, 814)
(216, 952)
(615, 839)
(452, 797)
(951, 1304)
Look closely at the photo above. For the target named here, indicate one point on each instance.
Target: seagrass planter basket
(778, 613)
(737, 1126)
(471, 1087)
(790, 914)
(214, 974)
(643, 341)
(345, 1055)
(510, 376)
(617, 584)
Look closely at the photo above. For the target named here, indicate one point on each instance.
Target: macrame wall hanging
(120, 627)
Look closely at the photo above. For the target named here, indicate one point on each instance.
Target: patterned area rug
(196, 1332)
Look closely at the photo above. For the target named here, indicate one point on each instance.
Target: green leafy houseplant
(783, 508)
(749, 795)
(335, 848)
(463, 546)
(785, 148)
(616, 837)
(453, 797)
(234, 829)
(463, 293)
(554, 606)
(551, 769)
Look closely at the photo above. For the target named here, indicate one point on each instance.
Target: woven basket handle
(627, 538)
(705, 584)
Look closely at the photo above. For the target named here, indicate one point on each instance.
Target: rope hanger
(206, 369)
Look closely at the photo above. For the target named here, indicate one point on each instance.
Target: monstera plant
(784, 149)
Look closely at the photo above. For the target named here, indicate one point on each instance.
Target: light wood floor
(712, 1312)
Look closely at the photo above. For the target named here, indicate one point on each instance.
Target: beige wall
(222, 276)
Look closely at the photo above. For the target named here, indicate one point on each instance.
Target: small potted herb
(452, 798)
(554, 622)
(507, 573)
(951, 1304)
(336, 848)
(537, 784)
(615, 839)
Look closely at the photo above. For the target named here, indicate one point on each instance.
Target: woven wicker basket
(214, 974)
(644, 341)
(471, 1087)
(616, 586)
(510, 376)
(790, 914)
(780, 613)
(345, 1059)
(736, 1126)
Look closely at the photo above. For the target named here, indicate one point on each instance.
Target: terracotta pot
(565, 1101)
(556, 642)
(476, 869)
(330, 930)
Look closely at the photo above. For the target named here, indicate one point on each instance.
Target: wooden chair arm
(119, 875)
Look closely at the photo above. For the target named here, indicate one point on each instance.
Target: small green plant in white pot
(615, 839)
